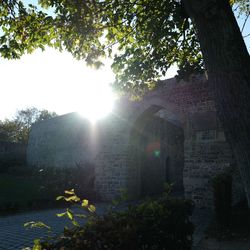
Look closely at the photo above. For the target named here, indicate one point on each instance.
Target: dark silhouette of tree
(18, 128)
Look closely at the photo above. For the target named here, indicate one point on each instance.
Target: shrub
(36, 187)
(154, 224)
(80, 177)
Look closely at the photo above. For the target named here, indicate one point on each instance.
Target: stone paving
(212, 244)
(201, 219)
(14, 236)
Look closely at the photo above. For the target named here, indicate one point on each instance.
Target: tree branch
(242, 29)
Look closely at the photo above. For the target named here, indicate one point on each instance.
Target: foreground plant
(87, 212)
(153, 224)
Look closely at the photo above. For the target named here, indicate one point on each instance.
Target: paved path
(212, 244)
(201, 219)
(13, 236)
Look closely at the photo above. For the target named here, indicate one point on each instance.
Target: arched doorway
(158, 154)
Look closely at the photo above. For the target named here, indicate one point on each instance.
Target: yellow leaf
(60, 215)
(72, 191)
(92, 208)
(59, 198)
(73, 198)
(37, 245)
(69, 214)
(85, 203)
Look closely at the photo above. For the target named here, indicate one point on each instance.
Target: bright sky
(54, 81)
(57, 82)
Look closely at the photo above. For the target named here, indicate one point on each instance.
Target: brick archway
(153, 141)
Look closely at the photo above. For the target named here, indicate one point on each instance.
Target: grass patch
(19, 193)
(13, 188)
(25, 188)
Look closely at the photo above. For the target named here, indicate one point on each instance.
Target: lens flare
(154, 149)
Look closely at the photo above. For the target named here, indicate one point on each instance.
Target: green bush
(222, 185)
(80, 178)
(32, 188)
(154, 224)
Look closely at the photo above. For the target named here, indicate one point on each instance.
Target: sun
(57, 82)
(96, 101)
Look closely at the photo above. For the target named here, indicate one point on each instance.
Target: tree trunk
(228, 67)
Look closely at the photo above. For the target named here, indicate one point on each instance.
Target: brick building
(172, 135)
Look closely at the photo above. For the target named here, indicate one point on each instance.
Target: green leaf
(59, 198)
(72, 191)
(91, 208)
(131, 39)
(27, 224)
(75, 223)
(38, 224)
(69, 214)
(72, 198)
(37, 245)
(61, 214)
(85, 203)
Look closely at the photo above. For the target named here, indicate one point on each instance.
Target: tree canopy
(145, 37)
(18, 128)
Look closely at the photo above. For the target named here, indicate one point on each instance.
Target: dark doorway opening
(161, 157)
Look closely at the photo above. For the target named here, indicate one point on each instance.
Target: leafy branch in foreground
(37, 242)
(153, 224)
(87, 212)
(38, 224)
(84, 204)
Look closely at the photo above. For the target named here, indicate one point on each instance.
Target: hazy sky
(57, 82)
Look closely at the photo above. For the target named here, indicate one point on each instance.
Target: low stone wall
(63, 141)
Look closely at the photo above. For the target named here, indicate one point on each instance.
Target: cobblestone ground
(13, 235)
